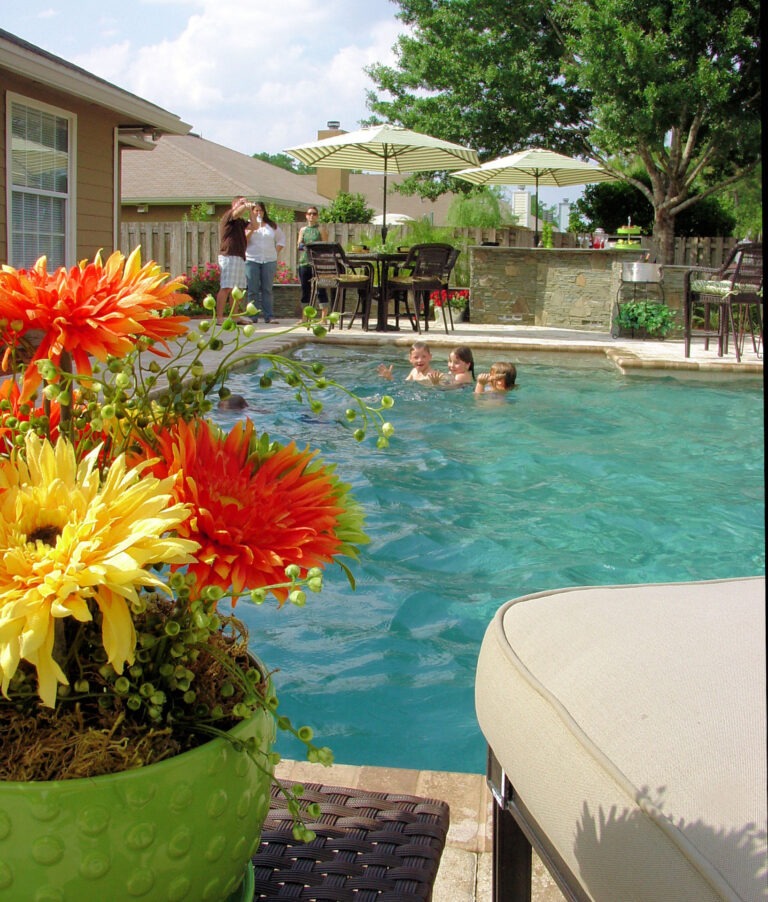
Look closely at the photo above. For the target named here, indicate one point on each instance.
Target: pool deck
(465, 873)
(630, 356)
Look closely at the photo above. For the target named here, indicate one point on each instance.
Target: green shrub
(649, 318)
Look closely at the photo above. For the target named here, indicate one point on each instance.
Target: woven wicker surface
(369, 846)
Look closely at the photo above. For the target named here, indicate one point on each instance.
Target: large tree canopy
(674, 84)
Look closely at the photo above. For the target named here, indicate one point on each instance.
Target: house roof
(51, 71)
(371, 186)
(187, 169)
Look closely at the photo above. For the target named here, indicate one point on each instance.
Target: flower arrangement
(458, 298)
(131, 524)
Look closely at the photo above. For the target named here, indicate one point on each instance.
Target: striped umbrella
(384, 148)
(535, 167)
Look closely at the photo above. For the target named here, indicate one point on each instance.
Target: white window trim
(71, 219)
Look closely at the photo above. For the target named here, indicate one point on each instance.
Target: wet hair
(420, 346)
(464, 353)
(266, 217)
(506, 370)
(233, 402)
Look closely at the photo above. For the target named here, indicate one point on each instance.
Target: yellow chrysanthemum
(69, 535)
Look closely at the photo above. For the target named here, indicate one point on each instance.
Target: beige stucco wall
(94, 165)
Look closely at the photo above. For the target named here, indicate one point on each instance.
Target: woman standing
(307, 235)
(265, 241)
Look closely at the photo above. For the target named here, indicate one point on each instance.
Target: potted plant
(457, 298)
(136, 728)
(645, 319)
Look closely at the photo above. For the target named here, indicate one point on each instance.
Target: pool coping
(629, 356)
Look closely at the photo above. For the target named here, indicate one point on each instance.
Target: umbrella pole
(384, 210)
(536, 214)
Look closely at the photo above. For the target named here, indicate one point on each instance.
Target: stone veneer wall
(566, 288)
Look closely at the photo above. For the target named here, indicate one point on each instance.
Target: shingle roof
(371, 186)
(187, 169)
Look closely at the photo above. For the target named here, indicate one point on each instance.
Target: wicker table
(369, 846)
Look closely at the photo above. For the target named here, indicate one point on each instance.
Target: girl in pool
(420, 359)
(461, 369)
(501, 378)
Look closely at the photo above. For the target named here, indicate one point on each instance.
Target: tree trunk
(664, 237)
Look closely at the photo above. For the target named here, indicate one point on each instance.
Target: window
(41, 183)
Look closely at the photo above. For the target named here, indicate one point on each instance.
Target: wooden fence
(178, 246)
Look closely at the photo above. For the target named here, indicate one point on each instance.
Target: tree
(479, 209)
(285, 162)
(611, 204)
(347, 208)
(745, 201)
(484, 74)
(673, 84)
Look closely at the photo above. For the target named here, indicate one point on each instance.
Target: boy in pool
(420, 359)
(501, 378)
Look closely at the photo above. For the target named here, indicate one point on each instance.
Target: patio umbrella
(535, 166)
(384, 148)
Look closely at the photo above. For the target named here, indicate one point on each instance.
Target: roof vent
(334, 123)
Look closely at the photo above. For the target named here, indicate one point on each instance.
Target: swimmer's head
(503, 375)
(233, 402)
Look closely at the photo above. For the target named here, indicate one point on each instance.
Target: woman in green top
(307, 234)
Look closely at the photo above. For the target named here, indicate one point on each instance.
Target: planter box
(287, 300)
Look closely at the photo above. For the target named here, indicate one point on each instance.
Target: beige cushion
(720, 288)
(631, 720)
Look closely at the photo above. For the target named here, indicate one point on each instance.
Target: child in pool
(501, 378)
(420, 359)
(461, 369)
(233, 402)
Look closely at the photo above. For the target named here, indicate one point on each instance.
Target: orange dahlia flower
(94, 309)
(256, 507)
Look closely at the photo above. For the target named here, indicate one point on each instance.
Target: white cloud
(256, 78)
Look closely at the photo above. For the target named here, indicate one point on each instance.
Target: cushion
(631, 720)
(720, 288)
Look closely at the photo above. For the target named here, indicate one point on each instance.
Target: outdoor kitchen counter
(569, 288)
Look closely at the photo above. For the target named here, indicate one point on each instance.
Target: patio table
(382, 262)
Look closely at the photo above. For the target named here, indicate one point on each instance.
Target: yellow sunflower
(70, 535)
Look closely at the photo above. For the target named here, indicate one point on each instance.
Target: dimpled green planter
(182, 829)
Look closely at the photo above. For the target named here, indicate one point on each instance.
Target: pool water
(579, 477)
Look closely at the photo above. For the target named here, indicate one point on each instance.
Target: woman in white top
(265, 242)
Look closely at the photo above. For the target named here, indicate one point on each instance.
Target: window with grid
(40, 184)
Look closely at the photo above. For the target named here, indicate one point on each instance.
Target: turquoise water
(579, 477)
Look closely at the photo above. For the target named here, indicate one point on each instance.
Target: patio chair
(369, 845)
(734, 293)
(450, 263)
(421, 273)
(333, 271)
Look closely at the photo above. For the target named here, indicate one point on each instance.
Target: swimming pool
(580, 477)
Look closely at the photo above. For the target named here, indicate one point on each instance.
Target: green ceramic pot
(182, 829)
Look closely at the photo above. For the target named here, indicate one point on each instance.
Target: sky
(252, 76)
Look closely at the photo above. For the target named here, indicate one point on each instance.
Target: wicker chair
(735, 293)
(449, 265)
(333, 271)
(369, 846)
(421, 273)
